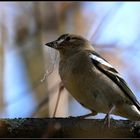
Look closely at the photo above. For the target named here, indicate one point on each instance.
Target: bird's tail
(129, 111)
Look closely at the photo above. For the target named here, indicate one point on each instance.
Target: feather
(108, 70)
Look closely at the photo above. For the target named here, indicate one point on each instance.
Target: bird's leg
(107, 118)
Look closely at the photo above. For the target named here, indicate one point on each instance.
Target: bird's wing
(108, 70)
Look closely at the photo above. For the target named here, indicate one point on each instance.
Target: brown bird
(92, 81)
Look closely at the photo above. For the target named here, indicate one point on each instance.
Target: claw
(107, 118)
(107, 121)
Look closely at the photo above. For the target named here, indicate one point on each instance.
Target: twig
(61, 87)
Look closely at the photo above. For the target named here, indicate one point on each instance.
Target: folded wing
(108, 70)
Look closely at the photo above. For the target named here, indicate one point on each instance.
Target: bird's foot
(106, 121)
(107, 118)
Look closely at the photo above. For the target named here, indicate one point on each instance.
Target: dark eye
(68, 38)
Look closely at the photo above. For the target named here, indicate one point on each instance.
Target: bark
(67, 128)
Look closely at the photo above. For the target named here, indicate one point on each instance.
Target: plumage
(107, 69)
(92, 81)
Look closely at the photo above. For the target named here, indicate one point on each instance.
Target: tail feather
(129, 111)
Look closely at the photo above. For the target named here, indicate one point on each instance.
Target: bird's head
(68, 44)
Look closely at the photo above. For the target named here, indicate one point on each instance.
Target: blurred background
(112, 27)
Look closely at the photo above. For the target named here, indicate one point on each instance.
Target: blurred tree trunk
(29, 36)
(2, 41)
(1, 78)
(74, 25)
(57, 19)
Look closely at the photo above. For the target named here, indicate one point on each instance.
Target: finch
(92, 81)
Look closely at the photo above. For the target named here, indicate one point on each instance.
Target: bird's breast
(78, 80)
(88, 85)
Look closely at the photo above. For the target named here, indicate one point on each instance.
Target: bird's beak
(52, 44)
(55, 44)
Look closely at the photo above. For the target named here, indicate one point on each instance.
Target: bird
(92, 80)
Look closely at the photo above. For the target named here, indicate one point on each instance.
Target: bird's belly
(102, 99)
(99, 98)
(91, 88)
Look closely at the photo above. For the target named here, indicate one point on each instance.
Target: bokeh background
(112, 27)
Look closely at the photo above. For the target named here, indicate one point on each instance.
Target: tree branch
(67, 128)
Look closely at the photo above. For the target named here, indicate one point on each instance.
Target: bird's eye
(68, 38)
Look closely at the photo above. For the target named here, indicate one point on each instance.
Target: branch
(67, 128)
